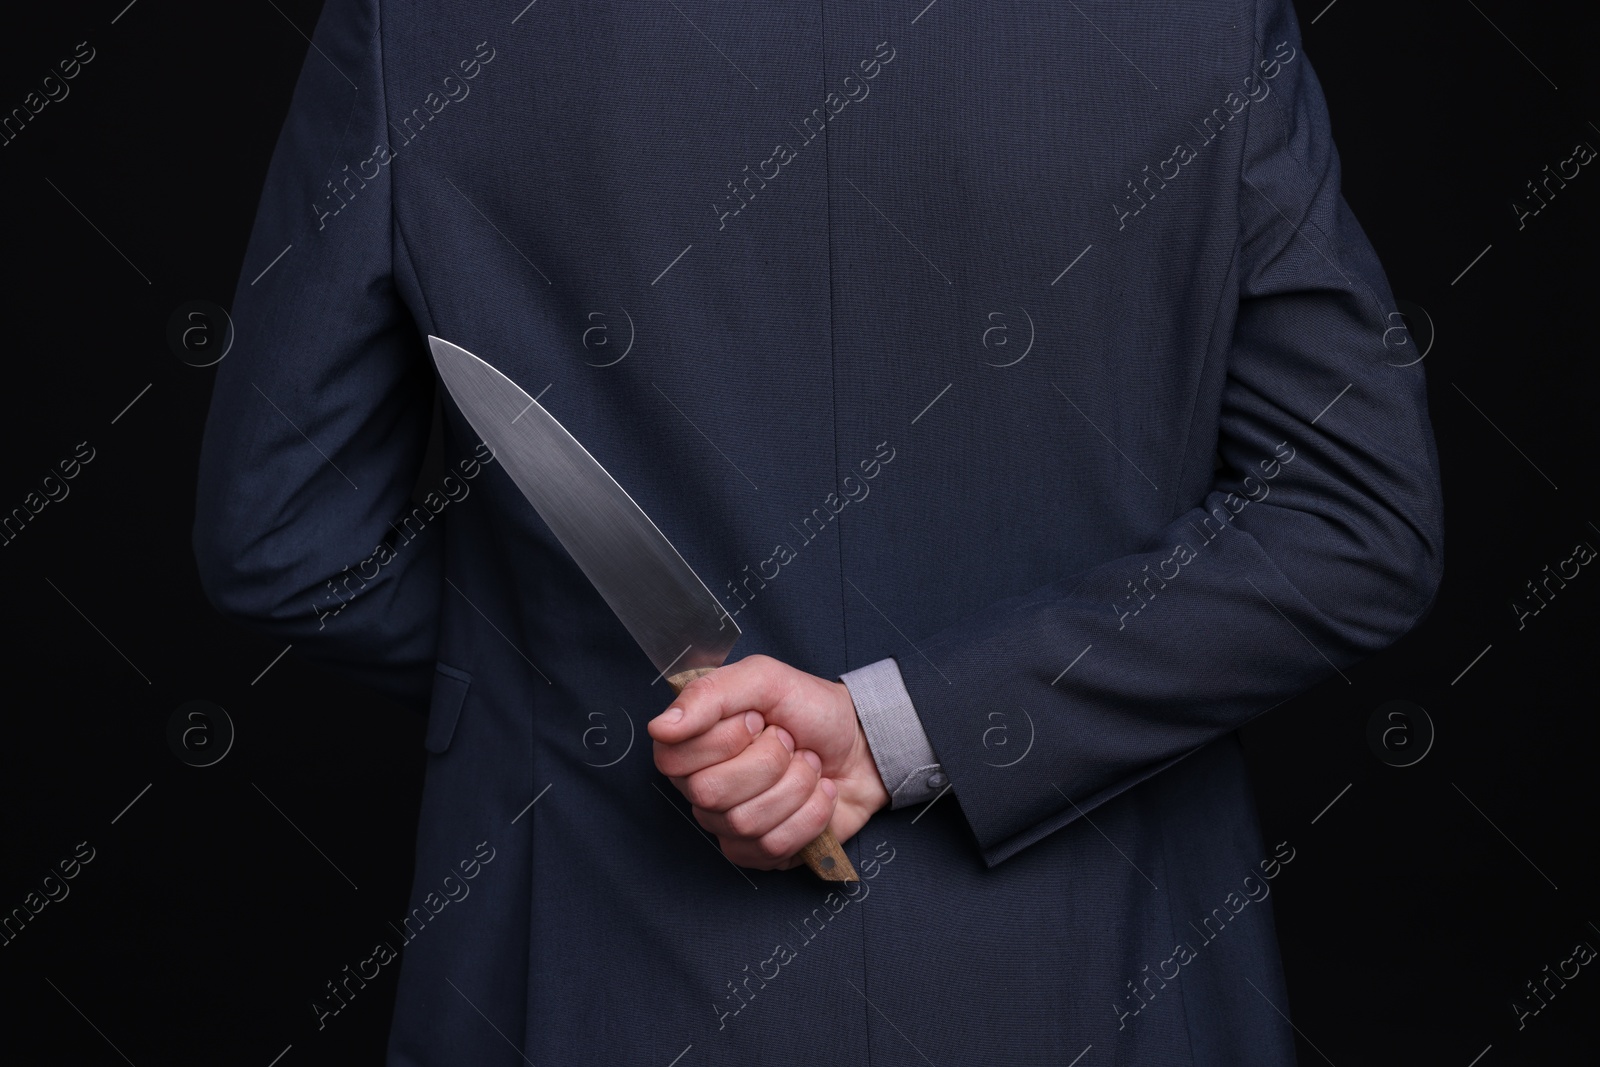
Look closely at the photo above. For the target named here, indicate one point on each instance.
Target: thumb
(702, 704)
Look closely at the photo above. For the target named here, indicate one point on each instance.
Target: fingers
(763, 800)
(752, 772)
(755, 682)
(723, 741)
(768, 810)
(778, 846)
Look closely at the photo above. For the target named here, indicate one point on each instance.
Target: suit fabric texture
(1030, 346)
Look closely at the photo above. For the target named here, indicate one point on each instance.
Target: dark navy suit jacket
(1029, 344)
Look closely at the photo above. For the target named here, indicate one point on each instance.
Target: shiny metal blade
(659, 598)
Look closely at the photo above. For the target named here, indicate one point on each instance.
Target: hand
(769, 756)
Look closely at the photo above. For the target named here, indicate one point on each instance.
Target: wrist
(864, 788)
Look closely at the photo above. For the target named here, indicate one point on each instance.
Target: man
(1020, 366)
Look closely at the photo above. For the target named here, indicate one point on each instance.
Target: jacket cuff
(900, 748)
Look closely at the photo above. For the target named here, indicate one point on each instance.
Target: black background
(1421, 900)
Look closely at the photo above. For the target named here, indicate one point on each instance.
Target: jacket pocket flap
(449, 693)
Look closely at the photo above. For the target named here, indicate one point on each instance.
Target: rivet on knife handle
(825, 856)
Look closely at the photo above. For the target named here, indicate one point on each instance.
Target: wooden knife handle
(825, 856)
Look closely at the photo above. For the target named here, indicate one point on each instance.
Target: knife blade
(679, 624)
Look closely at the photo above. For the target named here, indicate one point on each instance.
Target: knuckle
(810, 775)
(818, 812)
(773, 846)
(732, 738)
(743, 822)
(701, 793)
(700, 688)
(773, 764)
(668, 761)
(741, 854)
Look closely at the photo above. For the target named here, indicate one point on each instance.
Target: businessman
(1017, 377)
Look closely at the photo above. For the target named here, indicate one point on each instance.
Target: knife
(680, 625)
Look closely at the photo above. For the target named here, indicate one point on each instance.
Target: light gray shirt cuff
(906, 763)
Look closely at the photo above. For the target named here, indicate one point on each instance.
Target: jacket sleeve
(1318, 543)
(321, 409)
